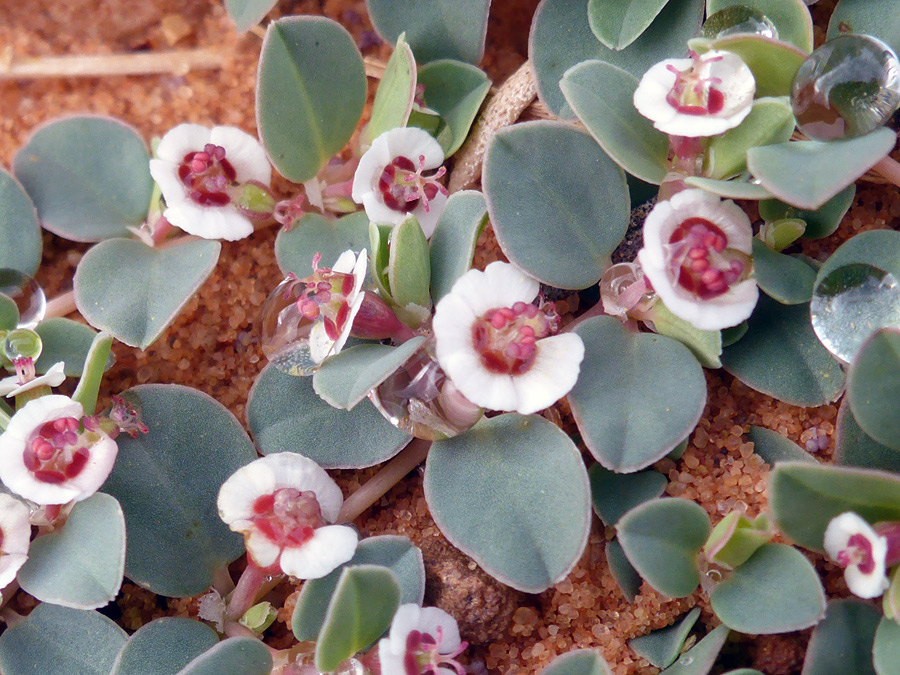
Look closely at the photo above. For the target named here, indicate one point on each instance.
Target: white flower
(10, 386)
(697, 256)
(282, 504)
(197, 169)
(496, 347)
(389, 181)
(852, 543)
(48, 457)
(700, 96)
(15, 538)
(329, 335)
(423, 638)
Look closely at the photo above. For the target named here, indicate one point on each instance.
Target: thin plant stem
(246, 591)
(177, 62)
(61, 305)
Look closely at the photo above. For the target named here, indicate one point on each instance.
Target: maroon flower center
(287, 517)
(325, 294)
(207, 174)
(505, 338)
(700, 260)
(403, 186)
(57, 452)
(423, 655)
(693, 93)
(858, 553)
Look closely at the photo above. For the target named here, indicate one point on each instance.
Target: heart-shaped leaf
(20, 233)
(601, 94)
(86, 642)
(843, 642)
(285, 413)
(248, 13)
(623, 573)
(662, 538)
(806, 174)
(613, 494)
(578, 662)
(805, 497)
(295, 248)
(454, 238)
(853, 447)
(618, 23)
(791, 18)
(164, 647)
(661, 647)
(776, 590)
(819, 223)
(525, 479)
(550, 222)
(80, 565)
(395, 94)
(89, 177)
(167, 482)
(782, 357)
(638, 395)
(441, 29)
(310, 93)
(67, 341)
(738, 188)
(360, 611)
(699, 659)
(866, 17)
(234, 656)
(455, 91)
(134, 292)
(772, 62)
(398, 554)
(773, 447)
(873, 387)
(886, 647)
(784, 278)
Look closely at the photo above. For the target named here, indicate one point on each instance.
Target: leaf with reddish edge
(623, 573)
(455, 90)
(618, 23)
(578, 662)
(168, 644)
(295, 248)
(661, 647)
(773, 447)
(699, 659)
(232, 656)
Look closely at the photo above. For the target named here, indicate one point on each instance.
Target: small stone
(175, 28)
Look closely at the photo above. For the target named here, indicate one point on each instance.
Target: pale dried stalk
(177, 62)
(61, 305)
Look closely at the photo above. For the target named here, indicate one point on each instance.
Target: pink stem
(246, 591)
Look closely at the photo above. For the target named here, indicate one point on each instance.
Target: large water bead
(848, 87)
(22, 343)
(285, 330)
(738, 20)
(26, 293)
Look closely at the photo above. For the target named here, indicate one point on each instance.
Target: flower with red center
(49, 457)
(422, 641)
(15, 538)
(852, 543)
(696, 255)
(283, 504)
(498, 347)
(200, 172)
(704, 95)
(390, 181)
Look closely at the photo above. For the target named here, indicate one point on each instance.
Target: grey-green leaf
(661, 647)
(310, 93)
(843, 642)
(618, 23)
(248, 13)
(705, 345)
(790, 17)
(662, 538)
(9, 315)
(167, 482)
(234, 656)
(877, 18)
(873, 387)
(578, 662)
(623, 573)
(853, 447)
(737, 188)
(773, 447)
(782, 277)
(81, 564)
(550, 222)
(525, 479)
(454, 238)
(67, 341)
(613, 494)
(20, 233)
(409, 264)
(455, 91)
(394, 96)
(164, 647)
(819, 223)
(295, 248)
(700, 658)
(638, 395)
(886, 647)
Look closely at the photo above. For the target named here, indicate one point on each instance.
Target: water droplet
(421, 400)
(847, 87)
(850, 304)
(714, 576)
(285, 332)
(686, 660)
(738, 20)
(350, 667)
(26, 293)
(22, 343)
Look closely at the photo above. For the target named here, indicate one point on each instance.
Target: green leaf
(782, 277)
(735, 538)
(398, 554)
(790, 17)
(310, 93)
(737, 188)
(804, 498)
(578, 662)
(285, 413)
(782, 357)
(852, 447)
(440, 29)
(234, 656)
(618, 23)
(134, 292)
(20, 233)
(637, 397)
(345, 379)
(700, 658)
(661, 647)
(164, 647)
(81, 564)
(773, 447)
(550, 222)
(67, 341)
(89, 177)
(843, 642)
(525, 479)
(776, 591)
(295, 248)
(561, 37)
(623, 573)
(819, 223)
(167, 482)
(395, 94)
(886, 648)
(731, 335)
(770, 121)
(601, 94)
(456, 91)
(613, 494)
(772, 62)
(248, 13)
(454, 238)
(662, 538)
(92, 376)
(705, 345)
(806, 174)
(878, 248)
(360, 611)
(9, 318)
(86, 642)
(877, 18)
(873, 387)
(409, 264)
